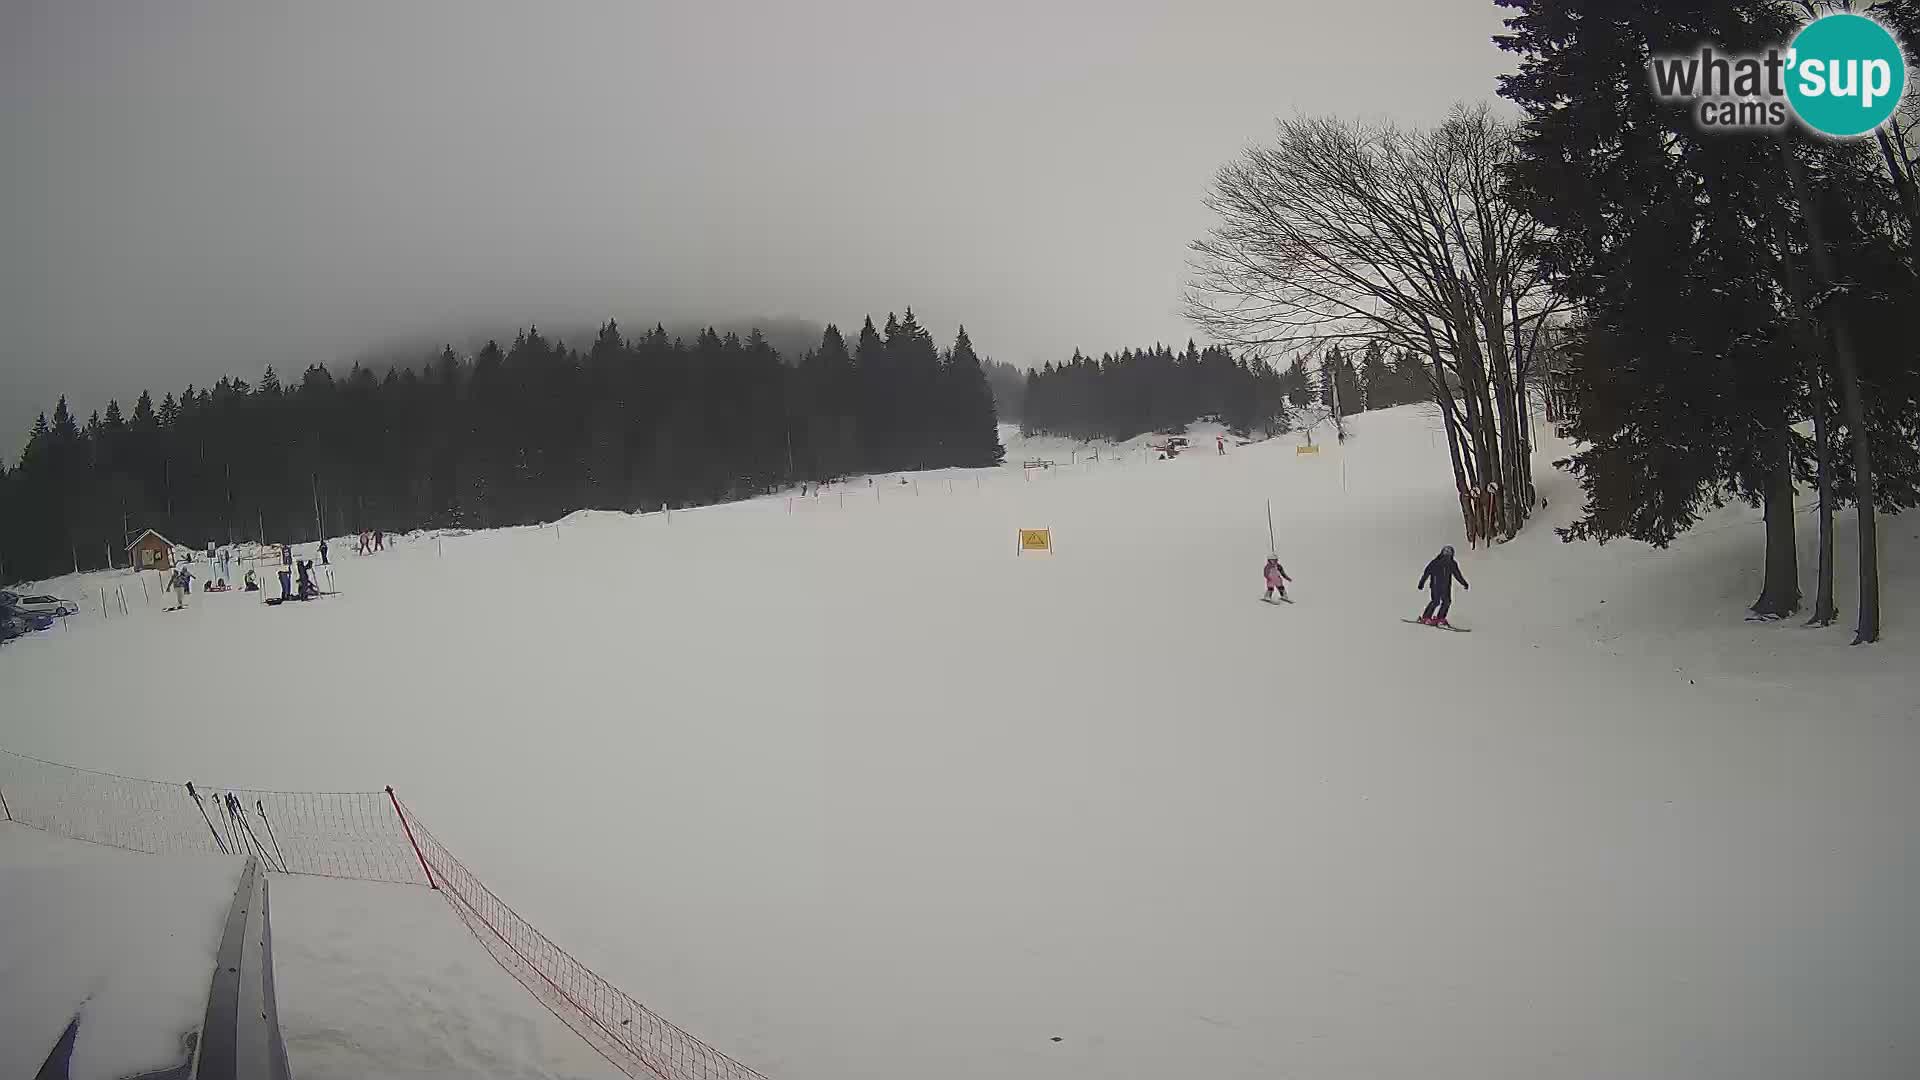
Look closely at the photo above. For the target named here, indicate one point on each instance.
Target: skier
(323, 552)
(1439, 577)
(1220, 445)
(182, 583)
(379, 540)
(1276, 579)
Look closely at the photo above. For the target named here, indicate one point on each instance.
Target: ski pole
(233, 815)
(233, 831)
(240, 815)
(256, 839)
(226, 822)
(240, 819)
(208, 820)
(268, 822)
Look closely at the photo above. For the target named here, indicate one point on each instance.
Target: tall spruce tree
(1663, 236)
(968, 409)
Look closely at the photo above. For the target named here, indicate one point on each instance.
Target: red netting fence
(631, 1036)
(366, 836)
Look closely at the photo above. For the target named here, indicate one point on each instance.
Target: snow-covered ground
(373, 979)
(125, 941)
(381, 980)
(849, 789)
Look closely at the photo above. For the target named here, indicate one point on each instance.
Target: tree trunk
(1780, 592)
(1812, 348)
(1444, 398)
(1852, 408)
(1853, 414)
(1824, 612)
(1523, 464)
(1477, 438)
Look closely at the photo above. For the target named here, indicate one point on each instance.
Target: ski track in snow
(850, 790)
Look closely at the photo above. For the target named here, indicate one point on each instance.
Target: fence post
(416, 844)
(5, 807)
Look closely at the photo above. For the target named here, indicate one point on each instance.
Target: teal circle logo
(1846, 75)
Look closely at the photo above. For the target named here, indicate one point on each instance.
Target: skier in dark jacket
(1439, 577)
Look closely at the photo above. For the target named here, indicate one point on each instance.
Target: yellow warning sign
(1305, 448)
(1036, 540)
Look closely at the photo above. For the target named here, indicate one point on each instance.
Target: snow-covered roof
(150, 532)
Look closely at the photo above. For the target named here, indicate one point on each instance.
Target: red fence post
(416, 844)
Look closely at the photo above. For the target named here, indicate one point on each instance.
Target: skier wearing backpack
(1439, 577)
(182, 585)
(1276, 578)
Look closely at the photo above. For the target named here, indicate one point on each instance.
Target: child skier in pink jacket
(1276, 578)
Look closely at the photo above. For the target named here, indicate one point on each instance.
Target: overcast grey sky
(195, 188)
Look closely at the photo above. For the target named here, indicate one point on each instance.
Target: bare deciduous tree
(1342, 231)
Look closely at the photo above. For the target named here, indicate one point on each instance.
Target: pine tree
(1668, 240)
(1009, 386)
(830, 403)
(968, 401)
(65, 431)
(914, 364)
(1299, 385)
(1338, 382)
(878, 427)
(1378, 388)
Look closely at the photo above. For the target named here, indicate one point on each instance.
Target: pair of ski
(1415, 622)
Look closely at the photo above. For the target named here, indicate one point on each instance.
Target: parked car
(12, 622)
(41, 604)
(18, 616)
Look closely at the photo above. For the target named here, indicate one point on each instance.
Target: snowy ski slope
(850, 790)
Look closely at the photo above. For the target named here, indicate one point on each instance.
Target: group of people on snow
(307, 589)
(1438, 578)
(371, 540)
